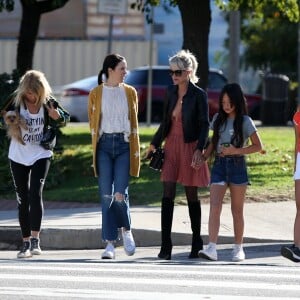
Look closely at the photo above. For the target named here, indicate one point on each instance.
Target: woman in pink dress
(184, 129)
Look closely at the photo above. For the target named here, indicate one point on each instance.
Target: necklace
(180, 98)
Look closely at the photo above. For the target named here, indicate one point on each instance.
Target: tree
(270, 45)
(260, 8)
(266, 25)
(196, 33)
(195, 14)
(196, 20)
(29, 27)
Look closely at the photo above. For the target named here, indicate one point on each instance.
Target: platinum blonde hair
(185, 60)
(36, 82)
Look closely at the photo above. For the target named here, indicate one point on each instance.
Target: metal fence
(66, 61)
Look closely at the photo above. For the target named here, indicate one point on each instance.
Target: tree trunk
(27, 37)
(31, 15)
(196, 20)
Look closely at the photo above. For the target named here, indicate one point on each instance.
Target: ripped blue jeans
(113, 161)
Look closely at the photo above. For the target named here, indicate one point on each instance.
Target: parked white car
(74, 97)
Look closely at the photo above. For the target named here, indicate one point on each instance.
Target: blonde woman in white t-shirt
(29, 160)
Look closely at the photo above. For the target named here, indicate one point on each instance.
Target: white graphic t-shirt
(29, 153)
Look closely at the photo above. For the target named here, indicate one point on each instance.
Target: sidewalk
(78, 226)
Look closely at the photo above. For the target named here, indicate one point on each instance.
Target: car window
(136, 77)
(216, 81)
(140, 77)
(162, 77)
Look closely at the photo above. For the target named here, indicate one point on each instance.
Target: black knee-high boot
(195, 217)
(167, 208)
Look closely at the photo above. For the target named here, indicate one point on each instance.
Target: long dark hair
(110, 61)
(238, 100)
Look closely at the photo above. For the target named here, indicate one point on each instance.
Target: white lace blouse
(115, 114)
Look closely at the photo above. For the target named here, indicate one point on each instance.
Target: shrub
(8, 83)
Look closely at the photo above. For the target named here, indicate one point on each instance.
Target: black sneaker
(25, 250)
(292, 253)
(35, 246)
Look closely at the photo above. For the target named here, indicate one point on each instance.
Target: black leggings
(29, 183)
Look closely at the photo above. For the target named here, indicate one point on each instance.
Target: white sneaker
(209, 253)
(238, 253)
(109, 252)
(25, 250)
(35, 246)
(128, 242)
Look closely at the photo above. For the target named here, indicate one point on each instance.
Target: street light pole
(234, 46)
(112, 8)
(149, 84)
(298, 97)
(110, 30)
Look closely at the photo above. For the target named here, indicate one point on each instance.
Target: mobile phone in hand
(54, 103)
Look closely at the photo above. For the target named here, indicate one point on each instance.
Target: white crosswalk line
(148, 281)
(129, 295)
(214, 270)
(153, 281)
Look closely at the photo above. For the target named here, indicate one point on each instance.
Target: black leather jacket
(194, 116)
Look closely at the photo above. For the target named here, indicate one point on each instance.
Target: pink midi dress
(178, 159)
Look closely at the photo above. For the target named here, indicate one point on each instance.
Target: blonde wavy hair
(36, 82)
(185, 60)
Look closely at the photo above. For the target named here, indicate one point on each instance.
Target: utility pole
(111, 8)
(149, 84)
(234, 46)
(298, 97)
(110, 33)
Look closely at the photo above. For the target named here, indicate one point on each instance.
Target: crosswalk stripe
(125, 280)
(217, 271)
(123, 295)
(154, 281)
(154, 265)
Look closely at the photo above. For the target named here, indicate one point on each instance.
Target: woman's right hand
(149, 151)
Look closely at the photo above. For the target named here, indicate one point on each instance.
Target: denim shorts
(297, 169)
(229, 170)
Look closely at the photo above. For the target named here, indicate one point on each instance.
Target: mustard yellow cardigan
(94, 114)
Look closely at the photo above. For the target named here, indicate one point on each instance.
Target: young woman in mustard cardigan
(112, 111)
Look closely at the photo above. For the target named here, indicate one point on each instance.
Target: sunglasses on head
(176, 72)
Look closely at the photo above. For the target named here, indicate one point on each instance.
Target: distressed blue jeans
(113, 161)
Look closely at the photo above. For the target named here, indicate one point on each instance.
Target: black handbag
(49, 138)
(157, 159)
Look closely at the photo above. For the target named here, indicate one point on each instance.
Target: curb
(83, 239)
